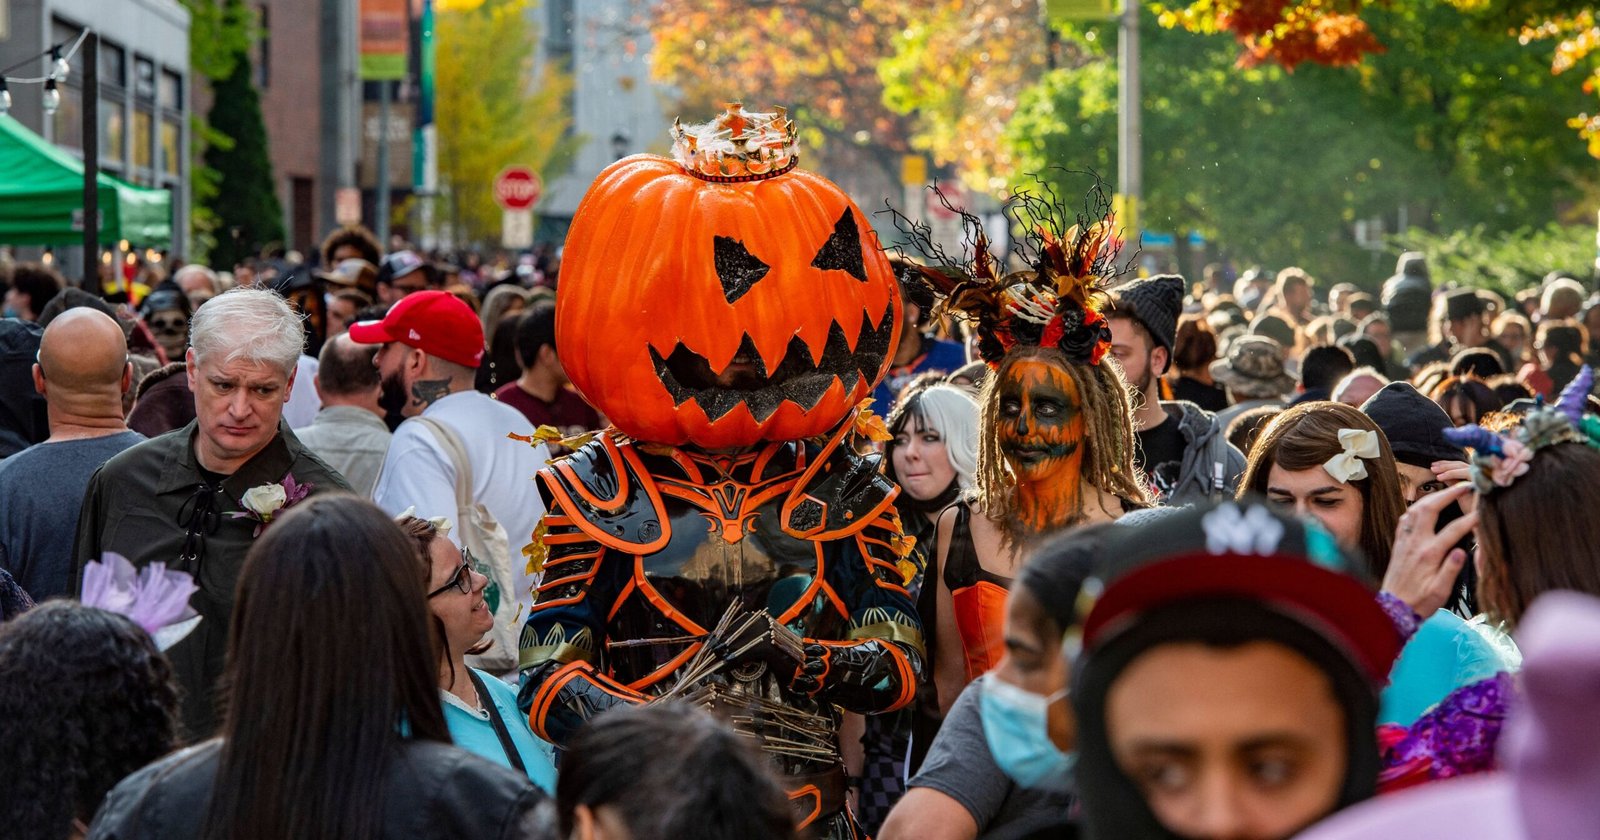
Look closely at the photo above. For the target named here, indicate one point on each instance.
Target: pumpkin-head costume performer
(1056, 439)
(723, 542)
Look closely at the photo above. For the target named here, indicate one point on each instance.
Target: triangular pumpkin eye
(737, 268)
(842, 251)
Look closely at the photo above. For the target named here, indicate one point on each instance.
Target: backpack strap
(458, 458)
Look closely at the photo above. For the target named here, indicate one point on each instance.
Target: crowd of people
(784, 536)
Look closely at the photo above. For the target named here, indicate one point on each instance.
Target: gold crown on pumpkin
(737, 146)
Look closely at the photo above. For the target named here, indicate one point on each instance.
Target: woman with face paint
(1228, 685)
(1002, 763)
(1056, 435)
(1331, 463)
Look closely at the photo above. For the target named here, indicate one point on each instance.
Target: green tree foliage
(493, 110)
(245, 203)
(1505, 262)
(219, 34)
(1454, 126)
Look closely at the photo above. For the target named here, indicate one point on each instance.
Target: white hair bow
(1347, 466)
(441, 524)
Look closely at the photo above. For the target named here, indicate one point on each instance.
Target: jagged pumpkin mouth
(799, 377)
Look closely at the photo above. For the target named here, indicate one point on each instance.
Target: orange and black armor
(646, 547)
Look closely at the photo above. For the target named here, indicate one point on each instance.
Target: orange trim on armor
(661, 603)
(553, 582)
(622, 598)
(666, 670)
(773, 450)
(690, 467)
(796, 795)
(617, 500)
(585, 577)
(908, 677)
(803, 603)
(547, 693)
(838, 603)
(798, 495)
(569, 538)
(556, 478)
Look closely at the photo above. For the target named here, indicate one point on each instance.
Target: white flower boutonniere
(265, 500)
(268, 500)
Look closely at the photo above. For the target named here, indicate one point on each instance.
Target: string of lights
(60, 56)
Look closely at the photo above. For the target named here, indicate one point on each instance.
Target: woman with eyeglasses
(480, 710)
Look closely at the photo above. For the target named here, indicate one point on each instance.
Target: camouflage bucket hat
(1253, 369)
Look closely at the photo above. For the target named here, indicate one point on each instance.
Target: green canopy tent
(41, 197)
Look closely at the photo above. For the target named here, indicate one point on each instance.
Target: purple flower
(154, 597)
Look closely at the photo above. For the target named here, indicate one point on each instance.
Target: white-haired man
(197, 497)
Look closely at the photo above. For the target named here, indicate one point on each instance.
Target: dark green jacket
(146, 502)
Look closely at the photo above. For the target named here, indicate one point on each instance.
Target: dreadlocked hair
(1108, 442)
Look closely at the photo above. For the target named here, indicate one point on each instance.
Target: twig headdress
(1056, 301)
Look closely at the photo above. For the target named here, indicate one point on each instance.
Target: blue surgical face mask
(1016, 727)
(8, 312)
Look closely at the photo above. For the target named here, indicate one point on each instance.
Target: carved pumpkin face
(722, 314)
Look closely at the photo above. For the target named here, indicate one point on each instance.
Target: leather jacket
(432, 790)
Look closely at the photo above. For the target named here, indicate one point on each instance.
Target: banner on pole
(384, 35)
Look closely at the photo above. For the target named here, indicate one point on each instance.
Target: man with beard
(1182, 451)
(453, 434)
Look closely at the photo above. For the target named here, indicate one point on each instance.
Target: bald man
(82, 372)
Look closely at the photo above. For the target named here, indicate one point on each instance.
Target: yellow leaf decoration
(537, 552)
(551, 435)
(908, 571)
(869, 425)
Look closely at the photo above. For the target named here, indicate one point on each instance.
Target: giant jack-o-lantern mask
(724, 298)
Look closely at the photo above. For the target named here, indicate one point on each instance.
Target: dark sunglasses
(462, 579)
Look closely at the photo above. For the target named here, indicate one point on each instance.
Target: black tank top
(961, 566)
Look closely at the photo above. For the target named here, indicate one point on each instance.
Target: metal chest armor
(724, 542)
(645, 547)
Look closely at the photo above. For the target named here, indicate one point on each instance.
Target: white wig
(251, 324)
(953, 413)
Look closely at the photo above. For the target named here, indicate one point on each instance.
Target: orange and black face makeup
(1041, 417)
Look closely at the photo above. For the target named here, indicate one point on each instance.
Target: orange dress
(979, 596)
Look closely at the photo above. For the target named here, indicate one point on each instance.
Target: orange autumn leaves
(1289, 33)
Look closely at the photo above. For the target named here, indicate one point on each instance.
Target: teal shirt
(1444, 655)
(476, 735)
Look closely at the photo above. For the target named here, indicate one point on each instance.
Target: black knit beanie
(1155, 302)
(1413, 424)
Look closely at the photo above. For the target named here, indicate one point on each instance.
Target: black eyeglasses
(462, 579)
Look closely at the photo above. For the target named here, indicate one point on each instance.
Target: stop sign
(517, 188)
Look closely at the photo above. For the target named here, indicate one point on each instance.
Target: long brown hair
(1307, 436)
(1108, 439)
(331, 665)
(1540, 534)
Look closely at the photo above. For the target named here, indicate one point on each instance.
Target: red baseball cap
(435, 322)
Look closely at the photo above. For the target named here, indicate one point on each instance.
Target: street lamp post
(91, 160)
(1130, 170)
